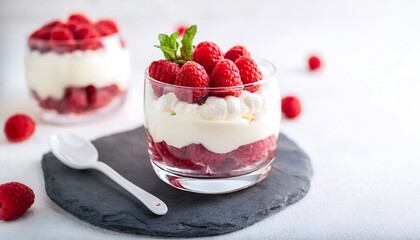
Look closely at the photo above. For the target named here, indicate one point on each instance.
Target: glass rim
(271, 75)
(72, 41)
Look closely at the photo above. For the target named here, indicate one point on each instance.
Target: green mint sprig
(169, 45)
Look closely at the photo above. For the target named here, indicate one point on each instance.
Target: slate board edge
(260, 216)
(257, 217)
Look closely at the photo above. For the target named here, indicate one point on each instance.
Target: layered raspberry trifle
(77, 69)
(212, 118)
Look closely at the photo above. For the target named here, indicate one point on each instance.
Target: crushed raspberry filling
(196, 160)
(80, 99)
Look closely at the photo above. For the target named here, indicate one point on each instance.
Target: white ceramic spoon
(79, 153)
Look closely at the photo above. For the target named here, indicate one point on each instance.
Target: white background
(361, 113)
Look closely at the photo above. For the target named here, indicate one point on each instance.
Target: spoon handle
(155, 205)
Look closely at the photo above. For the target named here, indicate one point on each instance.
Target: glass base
(212, 185)
(51, 116)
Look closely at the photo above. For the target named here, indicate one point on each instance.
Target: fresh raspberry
(15, 199)
(79, 18)
(181, 29)
(72, 26)
(290, 106)
(200, 154)
(37, 40)
(75, 100)
(106, 27)
(19, 127)
(207, 54)
(191, 74)
(43, 34)
(61, 33)
(89, 37)
(314, 63)
(164, 71)
(237, 51)
(249, 71)
(51, 24)
(226, 74)
(61, 40)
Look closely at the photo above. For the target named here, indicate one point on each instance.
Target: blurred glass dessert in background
(77, 70)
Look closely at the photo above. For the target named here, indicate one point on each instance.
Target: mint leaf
(187, 46)
(174, 36)
(169, 46)
(163, 39)
(169, 53)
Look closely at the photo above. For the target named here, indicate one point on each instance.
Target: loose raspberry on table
(19, 127)
(192, 74)
(290, 106)
(15, 199)
(207, 54)
(164, 71)
(226, 74)
(237, 51)
(314, 63)
(249, 71)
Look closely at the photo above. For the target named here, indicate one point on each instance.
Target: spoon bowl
(79, 153)
(73, 150)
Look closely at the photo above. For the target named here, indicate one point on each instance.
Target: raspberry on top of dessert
(77, 33)
(204, 66)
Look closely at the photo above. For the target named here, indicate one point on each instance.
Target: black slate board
(92, 197)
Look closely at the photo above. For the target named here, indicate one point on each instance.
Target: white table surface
(361, 114)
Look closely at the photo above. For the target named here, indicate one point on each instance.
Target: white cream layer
(220, 124)
(49, 74)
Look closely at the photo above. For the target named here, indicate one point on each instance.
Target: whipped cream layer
(49, 74)
(220, 124)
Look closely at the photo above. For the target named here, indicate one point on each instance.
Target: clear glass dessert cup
(203, 140)
(75, 81)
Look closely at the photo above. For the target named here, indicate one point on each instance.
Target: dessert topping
(237, 51)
